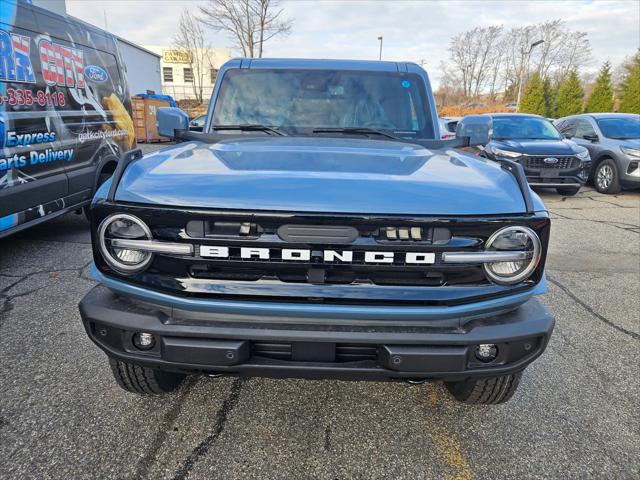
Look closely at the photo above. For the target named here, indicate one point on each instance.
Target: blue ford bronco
(319, 228)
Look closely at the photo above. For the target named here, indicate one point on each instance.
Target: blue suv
(549, 160)
(319, 227)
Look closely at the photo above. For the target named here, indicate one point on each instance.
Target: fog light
(486, 352)
(144, 340)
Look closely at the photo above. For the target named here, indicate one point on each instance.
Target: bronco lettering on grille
(304, 255)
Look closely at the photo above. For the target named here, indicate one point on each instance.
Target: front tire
(568, 191)
(485, 391)
(606, 178)
(144, 380)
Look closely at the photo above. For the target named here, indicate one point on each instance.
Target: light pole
(380, 56)
(528, 54)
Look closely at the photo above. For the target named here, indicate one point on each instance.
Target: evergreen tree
(533, 100)
(630, 87)
(601, 99)
(549, 97)
(570, 96)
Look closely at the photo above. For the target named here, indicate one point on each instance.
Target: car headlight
(505, 153)
(632, 152)
(122, 226)
(514, 239)
(584, 155)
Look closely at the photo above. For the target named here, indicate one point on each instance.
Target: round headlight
(513, 239)
(124, 226)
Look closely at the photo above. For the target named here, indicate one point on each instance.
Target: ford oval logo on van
(95, 73)
(551, 160)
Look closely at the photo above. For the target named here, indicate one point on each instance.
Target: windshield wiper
(250, 127)
(356, 131)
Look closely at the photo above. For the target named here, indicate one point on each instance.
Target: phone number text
(19, 96)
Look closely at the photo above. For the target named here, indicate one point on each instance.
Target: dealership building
(177, 74)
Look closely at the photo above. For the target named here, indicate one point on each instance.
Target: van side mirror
(170, 119)
(477, 128)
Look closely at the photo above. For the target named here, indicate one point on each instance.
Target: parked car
(548, 159)
(65, 114)
(445, 132)
(613, 140)
(197, 123)
(448, 127)
(320, 228)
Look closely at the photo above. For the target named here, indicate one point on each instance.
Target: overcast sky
(412, 30)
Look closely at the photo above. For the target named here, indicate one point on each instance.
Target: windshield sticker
(406, 84)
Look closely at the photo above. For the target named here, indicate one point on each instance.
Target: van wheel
(485, 391)
(606, 178)
(105, 174)
(144, 380)
(568, 191)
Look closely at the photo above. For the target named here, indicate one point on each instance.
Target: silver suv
(613, 140)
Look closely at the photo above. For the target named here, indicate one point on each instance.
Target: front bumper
(557, 177)
(310, 346)
(630, 172)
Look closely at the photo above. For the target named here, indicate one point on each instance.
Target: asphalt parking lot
(574, 416)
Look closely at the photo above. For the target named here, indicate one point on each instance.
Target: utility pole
(528, 54)
(380, 56)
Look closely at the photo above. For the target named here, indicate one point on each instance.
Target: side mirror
(568, 136)
(170, 119)
(477, 128)
(591, 138)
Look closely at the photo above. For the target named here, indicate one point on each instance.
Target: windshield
(523, 128)
(620, 128)
(304, 100)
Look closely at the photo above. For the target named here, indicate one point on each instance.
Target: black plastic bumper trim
(224, 347)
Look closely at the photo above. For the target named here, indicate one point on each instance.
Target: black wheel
(485, 391)
(144, 380)
(568, 191)
(606, 178)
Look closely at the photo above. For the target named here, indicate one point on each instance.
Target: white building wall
(142, 67)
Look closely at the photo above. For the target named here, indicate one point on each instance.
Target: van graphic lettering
(95, 73)
(61, 65)
(15, 64)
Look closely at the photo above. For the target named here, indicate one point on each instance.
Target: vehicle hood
(539, 147)
(321, 174)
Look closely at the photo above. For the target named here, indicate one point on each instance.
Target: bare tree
(563, 50)
(472, 52)
(191, 42)
(250, 23)
(489, 60)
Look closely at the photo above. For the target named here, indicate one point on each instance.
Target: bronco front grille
(315, 278)
(537, 163)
